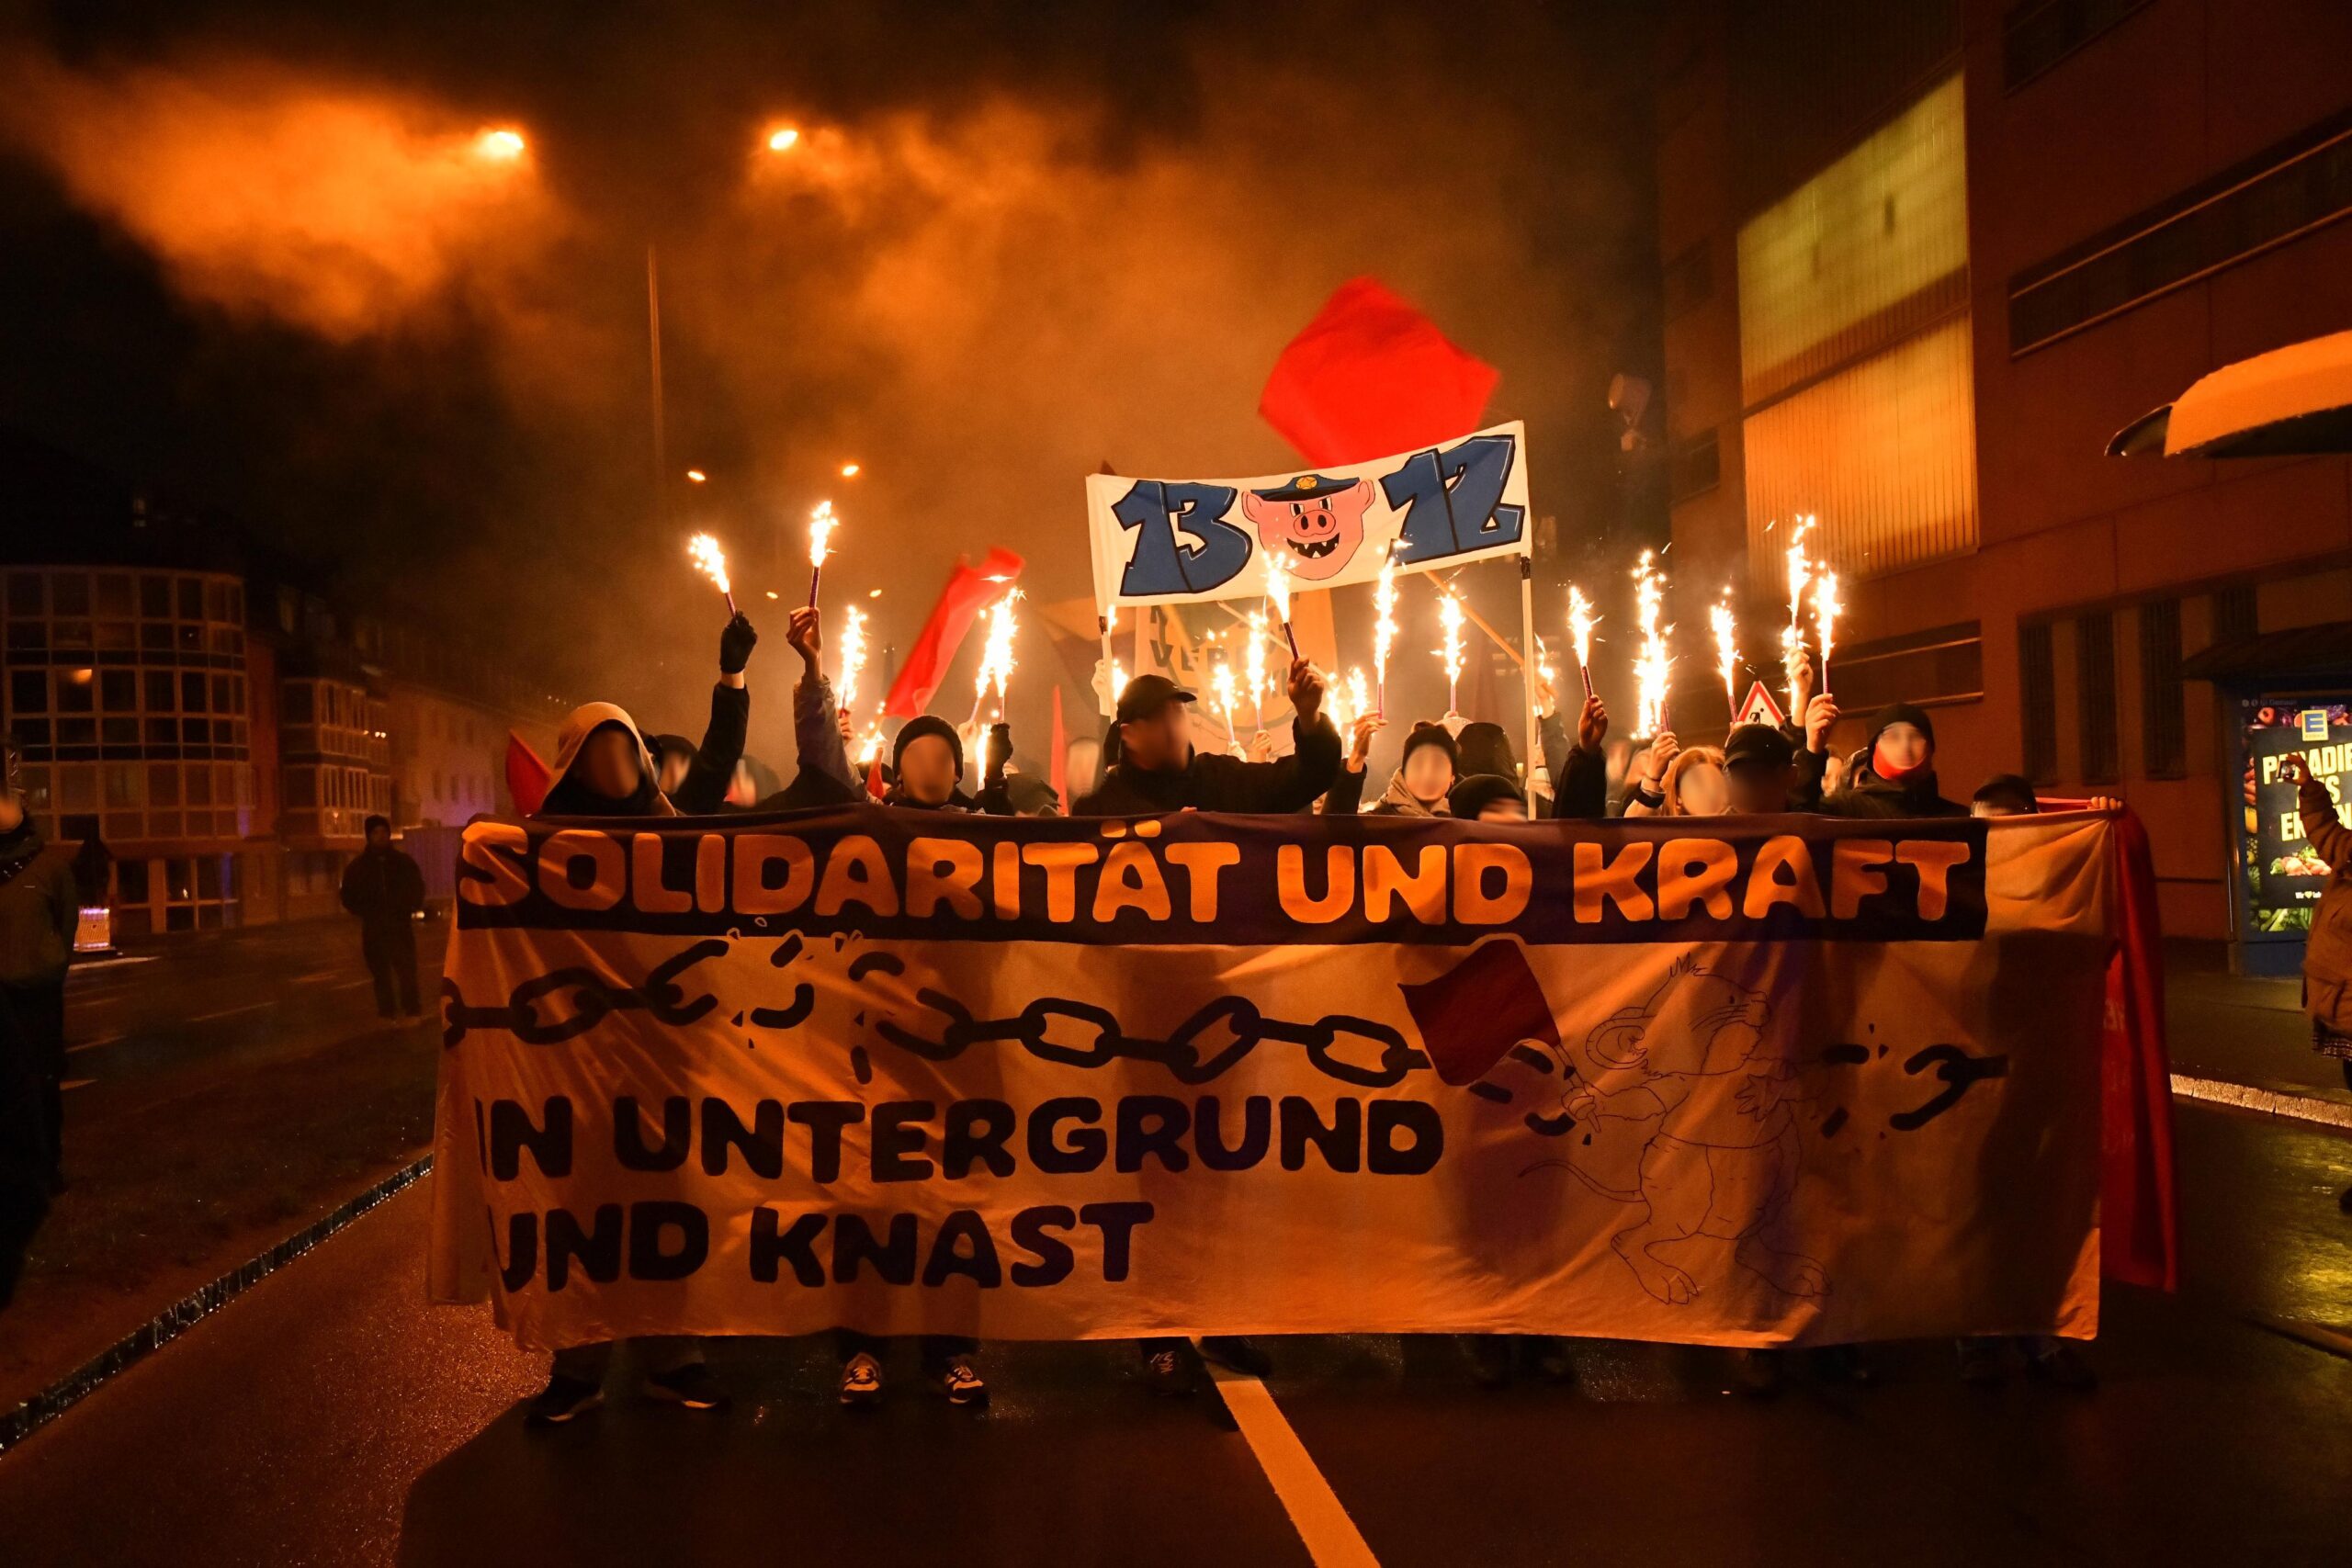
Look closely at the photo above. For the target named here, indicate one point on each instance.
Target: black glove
(735, 644)
(1000, 751)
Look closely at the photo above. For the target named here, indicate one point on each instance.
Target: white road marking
(1330, 1536)
(229, 1012)
(94, 1044)
(2301, 1107)
(75, 1083)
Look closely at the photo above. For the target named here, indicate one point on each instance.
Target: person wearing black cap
(1425, 774)
(1487, 797)
(1159, 770)
(1897, 777)
(927, 758)
(1760, 770)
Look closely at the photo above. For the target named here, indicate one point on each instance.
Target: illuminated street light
(874, 594)
(695, 476)
(503, 146)
(783, 138)
(849, 470)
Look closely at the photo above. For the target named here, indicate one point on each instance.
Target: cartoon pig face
(1316, 532)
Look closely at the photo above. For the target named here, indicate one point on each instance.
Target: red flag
(1057, 763)
(876, 786)
(526, 777)
(968, 588)
(1370, 376)
(2139, 1205)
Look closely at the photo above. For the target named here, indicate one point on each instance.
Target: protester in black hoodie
(1159, 770)
(383, 886)
(1897, 778)
(38, 911)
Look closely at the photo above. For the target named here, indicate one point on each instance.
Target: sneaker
(690, 1387)
(1171, 1370)
(563, 1398)
(861, 1381)
(2063, 1367)
(961, 1384)
(1237, 1354)
(1980, 1362)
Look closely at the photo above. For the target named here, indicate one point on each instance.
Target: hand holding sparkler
(712, 563)
(807, 636)
(820, 540)
(1306, 691)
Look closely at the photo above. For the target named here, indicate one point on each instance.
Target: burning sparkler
(1359, 695)
(1278, 589)
(1383, 632)
(853, 656)
(1221, 683)
(1726, 647)
(1449, 616)
(712, 562)
(1253, 665)
(820, 538)
(1581, 633)
(996, 655)
(1652, 667)
(1800, 576)
(1826, 608)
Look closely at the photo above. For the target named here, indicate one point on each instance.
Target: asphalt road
(331, 1416)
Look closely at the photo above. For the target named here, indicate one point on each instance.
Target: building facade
(1920, 263)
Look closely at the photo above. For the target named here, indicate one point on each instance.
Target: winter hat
(1477, 792)
(1902, 713)
(1428, 734)
(915, 729)
(1484, 748)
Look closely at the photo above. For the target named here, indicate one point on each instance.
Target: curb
(2299, 1107)
(176, 1319)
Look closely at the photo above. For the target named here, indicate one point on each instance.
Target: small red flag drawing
(526, 777)
(1370, 376)
(968, 588)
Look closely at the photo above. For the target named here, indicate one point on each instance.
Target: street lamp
(784, 138)
(500, 146)
(849, 470)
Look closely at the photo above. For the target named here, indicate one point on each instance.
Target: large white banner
(1174, 541)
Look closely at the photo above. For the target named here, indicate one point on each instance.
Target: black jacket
(1223, 784)
(704, 789)
(383, 887)
(1869, 795)
(40, 909)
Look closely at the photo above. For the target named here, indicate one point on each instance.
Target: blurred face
(378, 837)
(1159, 743)
(1901, 747)
(1701, 792)
(927, 771)
(1508, 809)
(673, 771)
(609, 762)
(1085, 765)
(1428, 773)
(1752, 791)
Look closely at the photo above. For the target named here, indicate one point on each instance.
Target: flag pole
(1528, 677)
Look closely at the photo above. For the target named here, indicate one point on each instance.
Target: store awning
(2298, 653)
(2293, 401)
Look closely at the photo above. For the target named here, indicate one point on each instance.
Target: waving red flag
(968, 588)
(1371, 375)
(526, 777)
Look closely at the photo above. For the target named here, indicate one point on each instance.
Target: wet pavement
(331, 1416)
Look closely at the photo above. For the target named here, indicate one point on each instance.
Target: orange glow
(849, 470)
(503, 146)
(783, 138)
(771, 592)
(874, 594)
(695, 476)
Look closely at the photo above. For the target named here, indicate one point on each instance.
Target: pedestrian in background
(383, 886)
(2328, 955)
(38, 914)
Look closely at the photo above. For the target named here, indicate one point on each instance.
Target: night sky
(252, 258)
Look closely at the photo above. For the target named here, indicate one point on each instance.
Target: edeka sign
(1169, 541)
(1713, 1080)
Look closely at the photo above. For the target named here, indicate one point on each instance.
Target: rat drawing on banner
(1315, 522)
(1688, 1107)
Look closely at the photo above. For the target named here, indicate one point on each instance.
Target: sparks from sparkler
(1253, 665)
(1726, 628)
(1449, 619)
(1384, 631)
(996, 655)
(711, 562)
(853, 656)
(1580, 622)
(1652, 667)
(1221, 683)
(1800, 577)
(1278, 590)
(1359, 695)
(1827, 606)
(822, 523)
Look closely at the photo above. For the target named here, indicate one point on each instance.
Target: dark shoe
(1235, 1353)
(1171, 1370)
(563, 1398)
(1758, 1373)
(961, 1384)
(1490, 1358)
(690, 1387)
(861, 1381)
(1842, 1363)
(1980, 1362)
(2062, 1366)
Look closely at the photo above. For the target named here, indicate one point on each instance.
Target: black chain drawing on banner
(595, 999)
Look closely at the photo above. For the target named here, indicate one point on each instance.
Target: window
(2038, 696)
(160, 690)
(296, 704)
(25, 593)
(2266, 201)
(1689, 278)
(114, 594)
(302, 787)
(119, 784)
(162, 784)
(2094, 695)
(192, 691)
(1944, 664)
(2164, 719)
(69, 594)
(191, 598)
(118, 691)
(27, 692)
(1694, 469)
(76, 690)
(2038, 34)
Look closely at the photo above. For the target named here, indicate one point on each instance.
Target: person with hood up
(1896, 778)
(702, 788)
(39, 912)
(1159, 769)
(1425, 775)
(1579, 770)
